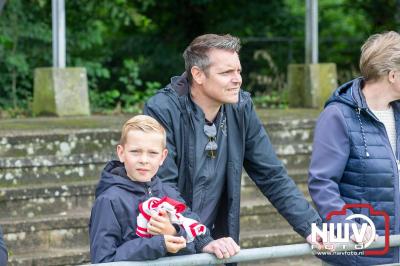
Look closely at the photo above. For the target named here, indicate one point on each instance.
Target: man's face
(142, 154)
(222, 79)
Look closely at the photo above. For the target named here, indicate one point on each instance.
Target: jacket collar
(114, 174)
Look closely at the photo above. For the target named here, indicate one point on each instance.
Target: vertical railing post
(58, 27)
(311, 45)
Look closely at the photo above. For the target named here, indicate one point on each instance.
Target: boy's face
(142, 154)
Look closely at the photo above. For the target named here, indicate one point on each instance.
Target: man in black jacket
(212, 132)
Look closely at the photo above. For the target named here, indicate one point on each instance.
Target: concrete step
(58, 142)
(16, 172)
(257, 212)
(51, 169)
(42, 199)
(292, 131)
(294, 156)
(260, 237)
(42, 233)
(65, 140)
(66, 165)
(39, 200)
(250, 192)
(299, 176)
(51, 257)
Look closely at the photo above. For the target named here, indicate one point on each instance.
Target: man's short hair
(143, 123)
(379, 55)
(196, 54)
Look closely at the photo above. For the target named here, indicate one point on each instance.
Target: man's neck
(209, 106)
(378, 95)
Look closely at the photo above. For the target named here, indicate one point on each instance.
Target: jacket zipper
(148, 190)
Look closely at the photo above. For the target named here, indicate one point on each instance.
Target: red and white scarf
(174, 209)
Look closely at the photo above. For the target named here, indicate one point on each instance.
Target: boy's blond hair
(143, 123)
(379, 55)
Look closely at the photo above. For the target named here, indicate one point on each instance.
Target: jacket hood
(114, 174)
(177, 90)
(350, 94)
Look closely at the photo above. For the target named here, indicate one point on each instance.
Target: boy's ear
(164, 156)
(120, 153)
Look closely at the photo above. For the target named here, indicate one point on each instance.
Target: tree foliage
(131, 47)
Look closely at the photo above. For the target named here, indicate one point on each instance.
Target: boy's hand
(174, 243)
(160, 224)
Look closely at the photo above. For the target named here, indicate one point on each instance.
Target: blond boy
(116, 227)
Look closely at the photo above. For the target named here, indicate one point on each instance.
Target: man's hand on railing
(367, 236)
(174, 243)
(222, 248)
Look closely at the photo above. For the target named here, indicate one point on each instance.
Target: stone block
(311, 85)
(60, 92)
(296, 74)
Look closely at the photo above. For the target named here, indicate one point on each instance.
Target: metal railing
(245, 255)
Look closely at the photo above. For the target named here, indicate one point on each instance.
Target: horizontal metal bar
(253, 254)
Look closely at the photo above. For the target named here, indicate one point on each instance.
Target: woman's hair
(379, 55)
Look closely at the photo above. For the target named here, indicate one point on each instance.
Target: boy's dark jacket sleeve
(105, 238)
(269, 174)
(3, 250)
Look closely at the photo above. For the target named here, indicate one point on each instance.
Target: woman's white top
(387, 118)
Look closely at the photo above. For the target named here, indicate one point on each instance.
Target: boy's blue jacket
(353, 162)
(113, 219)
(3, 250)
